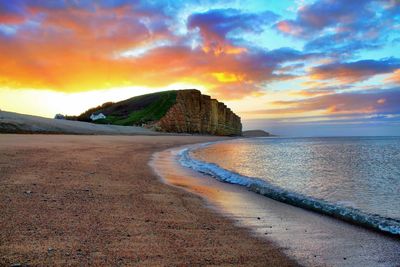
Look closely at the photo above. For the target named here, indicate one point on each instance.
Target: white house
(95, 117)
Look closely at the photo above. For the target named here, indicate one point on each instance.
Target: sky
(299, 68)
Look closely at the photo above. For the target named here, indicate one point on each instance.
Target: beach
(311, 238)
(94, 200)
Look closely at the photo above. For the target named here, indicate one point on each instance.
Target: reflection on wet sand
(312, 239)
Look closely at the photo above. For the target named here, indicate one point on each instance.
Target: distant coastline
(256, 133)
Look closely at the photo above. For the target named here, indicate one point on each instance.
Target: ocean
(356, 179)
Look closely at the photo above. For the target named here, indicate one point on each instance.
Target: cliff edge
(177, 111)
(197, 113)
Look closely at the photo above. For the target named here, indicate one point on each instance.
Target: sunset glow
(305, 61)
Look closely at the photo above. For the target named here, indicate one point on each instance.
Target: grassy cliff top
(133, 111)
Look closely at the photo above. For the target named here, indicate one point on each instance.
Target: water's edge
(309, 238)
(372, 221)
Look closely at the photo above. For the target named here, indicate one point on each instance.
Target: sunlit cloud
(354, 71)
(269, 60)
(377, 101)
(395, 77)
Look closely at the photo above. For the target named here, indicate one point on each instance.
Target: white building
(95, 117)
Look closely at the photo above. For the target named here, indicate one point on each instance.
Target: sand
(312, 239)
(94, 200)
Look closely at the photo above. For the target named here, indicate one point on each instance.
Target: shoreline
(380, 224)
(310, 238)
(94, 200)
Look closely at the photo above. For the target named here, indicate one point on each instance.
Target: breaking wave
(262, 187)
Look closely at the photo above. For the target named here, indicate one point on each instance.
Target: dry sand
(93, 200)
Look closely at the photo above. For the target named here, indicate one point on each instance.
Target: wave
(374, 221)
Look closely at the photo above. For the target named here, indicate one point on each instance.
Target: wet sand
(94, 200)
(310, 238)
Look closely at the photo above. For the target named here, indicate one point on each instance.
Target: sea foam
(262, 187)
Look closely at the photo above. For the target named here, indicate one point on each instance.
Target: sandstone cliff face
(197, 113)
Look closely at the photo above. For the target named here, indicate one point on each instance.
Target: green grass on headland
(134, 111)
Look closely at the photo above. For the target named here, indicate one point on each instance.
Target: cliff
(197, 113)
(181, 111)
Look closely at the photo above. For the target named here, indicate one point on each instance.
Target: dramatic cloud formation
(319, 57)
(314, 18)
(87, 47)
(343, 27)
(73, 47)
(215, 25)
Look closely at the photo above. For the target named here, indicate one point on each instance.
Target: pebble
(28, 192)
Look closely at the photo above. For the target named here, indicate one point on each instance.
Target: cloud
(313, 18)
(11, 12)
(395, 77)
(341, 26)
(216, 25)
(359, 102)
(80, 46)
(72, 46)
(72, 57)
(342, 45)
(311, 92)
(354, 71)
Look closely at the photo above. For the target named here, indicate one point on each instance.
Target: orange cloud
(80, 65)
(236, 91)
(11, 19)
(80, 49)
(376, 101)
(342, 75)
(354, 71)
(395, 77)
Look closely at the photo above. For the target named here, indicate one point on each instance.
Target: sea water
(356, 179)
